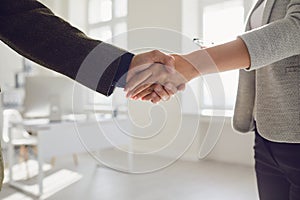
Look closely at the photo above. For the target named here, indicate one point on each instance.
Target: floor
(184, 180)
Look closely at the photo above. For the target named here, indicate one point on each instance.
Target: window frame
(207, 110)
(95, 99)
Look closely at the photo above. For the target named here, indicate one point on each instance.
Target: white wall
(232, 147)
(11, 63)
(154, 13)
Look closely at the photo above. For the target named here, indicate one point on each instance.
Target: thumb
(170, 65)
(170, 69)
(167, 60)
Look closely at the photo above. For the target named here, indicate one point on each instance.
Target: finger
(153, 97)
(151, 80)
(171, 88)
(137, 79)
(181, 87)
(163, 58)
(170, 92)
(139, 89)
(144, 60)
(143, 93)
(156, 99)
(161, 92)
(135, 69)
(149, 97)
(167, 60)
(171, 69)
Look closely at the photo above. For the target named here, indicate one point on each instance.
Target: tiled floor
(184, 180)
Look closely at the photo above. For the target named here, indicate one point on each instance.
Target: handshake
(155, 76)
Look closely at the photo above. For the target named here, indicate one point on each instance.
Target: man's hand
(156, 76)
(142, 62)
(156, 73)
(154, 92)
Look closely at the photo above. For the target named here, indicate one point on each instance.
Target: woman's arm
(254, 49)
(259, 47)
(228, 56)
(275, 41)
(225, 57)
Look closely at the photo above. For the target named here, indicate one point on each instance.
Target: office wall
(155, 13)
(10, 63)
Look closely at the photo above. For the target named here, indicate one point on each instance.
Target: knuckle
(153, 95)
(157, 88)
(155, 52)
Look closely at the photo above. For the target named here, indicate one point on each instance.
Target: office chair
(20, 137)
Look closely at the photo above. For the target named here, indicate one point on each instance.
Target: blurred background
(94, 158)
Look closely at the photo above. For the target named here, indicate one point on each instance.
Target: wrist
(123, 68)
(185, 68)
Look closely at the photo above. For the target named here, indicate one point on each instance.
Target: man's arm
(35, 32)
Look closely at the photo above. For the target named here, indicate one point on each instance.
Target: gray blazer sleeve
(275, 41)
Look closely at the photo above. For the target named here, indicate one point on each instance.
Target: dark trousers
(277, 168)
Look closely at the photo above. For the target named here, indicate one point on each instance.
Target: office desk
(68, 137)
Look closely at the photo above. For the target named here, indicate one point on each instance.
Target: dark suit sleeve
(35, 32)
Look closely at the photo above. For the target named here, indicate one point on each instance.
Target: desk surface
(68, 137)
(44, 123)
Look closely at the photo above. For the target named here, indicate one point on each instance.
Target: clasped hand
(155, 76)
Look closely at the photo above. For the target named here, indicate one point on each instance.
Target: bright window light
(222, 22)
(100, 11)
(120, 8)
(102, 33)
(107, 19)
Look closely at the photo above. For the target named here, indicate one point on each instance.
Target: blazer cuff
(250, 40)
(121, 75)
(99, 69)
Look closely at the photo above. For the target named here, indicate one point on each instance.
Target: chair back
(9, 116)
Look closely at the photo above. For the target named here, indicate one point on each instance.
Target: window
(106, 20)
(222, 21)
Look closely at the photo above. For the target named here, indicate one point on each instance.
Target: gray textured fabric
(272, 82)
(1, 170)
(1, 129)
